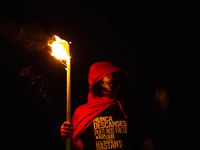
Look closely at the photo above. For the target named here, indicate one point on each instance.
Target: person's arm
(66, 132)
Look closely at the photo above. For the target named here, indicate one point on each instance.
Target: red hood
(99, 70)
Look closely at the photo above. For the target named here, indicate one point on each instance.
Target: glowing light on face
(112, 82)
(107, 82)
(60, 48)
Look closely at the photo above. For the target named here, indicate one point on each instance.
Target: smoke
(26, 72)
(40, 82)
(29, 35)
(26, 40)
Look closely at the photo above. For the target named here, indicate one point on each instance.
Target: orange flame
(60, 48)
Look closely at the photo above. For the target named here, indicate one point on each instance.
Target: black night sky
(157, 43)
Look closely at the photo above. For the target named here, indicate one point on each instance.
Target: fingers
(66, 130)
(66, 135)
(66, 126)
(66, 123)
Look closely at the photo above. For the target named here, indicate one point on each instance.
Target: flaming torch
(61, 50)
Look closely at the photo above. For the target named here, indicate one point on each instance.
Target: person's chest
(107, 131)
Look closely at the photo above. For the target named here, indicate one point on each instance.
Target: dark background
(157, 43)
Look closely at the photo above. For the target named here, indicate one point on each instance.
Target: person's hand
(66, 130)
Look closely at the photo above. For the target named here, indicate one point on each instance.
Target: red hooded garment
(85, 114)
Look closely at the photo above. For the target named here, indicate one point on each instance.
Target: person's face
(111, 82)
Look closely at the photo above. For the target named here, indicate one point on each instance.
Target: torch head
(60, 48)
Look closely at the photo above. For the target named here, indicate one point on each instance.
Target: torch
(61, 50)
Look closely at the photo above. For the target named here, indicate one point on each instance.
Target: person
(101, 123)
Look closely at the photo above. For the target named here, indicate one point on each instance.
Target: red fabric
(85, 114)
(99, 70)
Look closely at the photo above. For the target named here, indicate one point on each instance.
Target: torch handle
(68, 97)
(67, 144)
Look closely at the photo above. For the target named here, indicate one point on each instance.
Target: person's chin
(110, 94)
